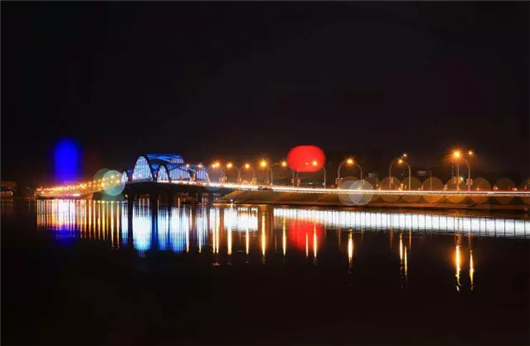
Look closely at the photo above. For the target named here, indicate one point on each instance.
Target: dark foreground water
(88, 273)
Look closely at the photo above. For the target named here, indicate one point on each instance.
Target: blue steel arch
(142, 170)
(148, 167)
(162, 174)
(179, 172)
(201, 173)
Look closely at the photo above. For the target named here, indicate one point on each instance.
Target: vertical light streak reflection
(315, 245)
(400, 248)
(104, 222)
(112, 225)
(306, 245)
(406, 263)
(284, 237)
(217, 231)
(457, 263)
(229, 240)
(247, 241)
(471, 269)
(187, 236)
(263, 236)
(350, 250)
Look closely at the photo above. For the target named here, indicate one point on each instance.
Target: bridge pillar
(130, 207)
(170, 200)
(154, 204)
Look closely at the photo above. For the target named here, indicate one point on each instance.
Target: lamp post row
(457, 155)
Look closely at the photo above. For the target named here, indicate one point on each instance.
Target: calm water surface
(87, 272)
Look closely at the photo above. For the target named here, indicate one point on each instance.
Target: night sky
(239, 80)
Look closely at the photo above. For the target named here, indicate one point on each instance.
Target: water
(76, 273)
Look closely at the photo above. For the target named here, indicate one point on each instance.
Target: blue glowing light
(66, 159)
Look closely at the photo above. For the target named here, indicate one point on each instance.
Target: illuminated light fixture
(349, 161)
(247, 166)
(284, 163)
(315, 163)
(263, 163)
(404, 154)
(457, 154)
(229, 165)
(470, 153)
(187, 165)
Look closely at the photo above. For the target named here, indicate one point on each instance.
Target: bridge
(163, 176)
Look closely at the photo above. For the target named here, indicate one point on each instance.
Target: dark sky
(244, 79)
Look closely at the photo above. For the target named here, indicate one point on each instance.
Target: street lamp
(284, 164)
(349, 162)
(401, 158)
(459, 156)
(217, 164)
(315, 163)
(263, 164)
(402, 162)
(246, 166)
(356, 163)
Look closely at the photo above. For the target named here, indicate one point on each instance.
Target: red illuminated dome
(306, 158)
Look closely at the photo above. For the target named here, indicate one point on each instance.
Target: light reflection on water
(235, 231)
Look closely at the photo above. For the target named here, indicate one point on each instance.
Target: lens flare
(114, 185)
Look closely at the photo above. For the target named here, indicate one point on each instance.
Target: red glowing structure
(306, 158)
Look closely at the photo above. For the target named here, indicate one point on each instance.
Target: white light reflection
(142, 226)
(413, 222)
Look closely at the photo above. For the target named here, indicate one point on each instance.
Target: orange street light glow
(263, 163)
(284, 163)
(315, 163)
(247, 166)
(349, 161)
(229, 165)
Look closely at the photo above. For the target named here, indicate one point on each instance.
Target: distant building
(8, 188)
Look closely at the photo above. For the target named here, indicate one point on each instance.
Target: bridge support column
(154, 204)
(170, 200)
(130, 209)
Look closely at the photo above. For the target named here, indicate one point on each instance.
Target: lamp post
(402, 159)
(229, 165)
(217, 164)
(458, 156)
(361, 170)
(285, 165)
(264, 164)
(245, 166)
(315, 163)
(348, 161)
